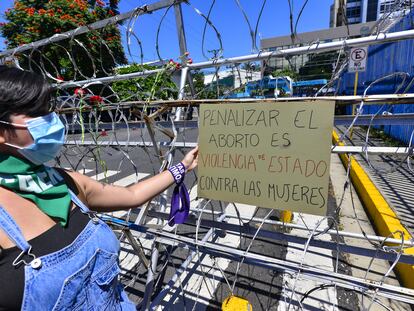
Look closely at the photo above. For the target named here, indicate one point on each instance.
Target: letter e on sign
(358, 59)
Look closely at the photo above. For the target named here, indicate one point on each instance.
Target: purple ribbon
(180, 200)
(179, 212)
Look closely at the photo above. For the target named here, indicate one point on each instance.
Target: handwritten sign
(273, 155)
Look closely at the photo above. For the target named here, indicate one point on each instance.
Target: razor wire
(105, 119)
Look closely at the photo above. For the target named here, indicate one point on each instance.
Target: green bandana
(41, 184)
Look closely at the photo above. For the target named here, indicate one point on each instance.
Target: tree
(157, 86)
(32, 20)
(319, 66)
(201, 90)
(285, 72)
(198, 82)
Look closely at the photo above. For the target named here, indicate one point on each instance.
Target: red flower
(104, 133)
(60, 79)
(100, 3)
(30, 11)
(79, 92)
(111, 12)
(187, 53)
(96, 99)
(190, 61)
(65, 17)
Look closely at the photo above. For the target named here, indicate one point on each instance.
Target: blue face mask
(48, 134)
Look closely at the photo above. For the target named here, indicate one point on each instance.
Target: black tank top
(52, 240)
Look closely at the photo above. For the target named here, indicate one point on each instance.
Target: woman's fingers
(190, 159)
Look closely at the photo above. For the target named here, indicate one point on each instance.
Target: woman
(54, 253)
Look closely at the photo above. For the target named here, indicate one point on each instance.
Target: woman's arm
(108, 198)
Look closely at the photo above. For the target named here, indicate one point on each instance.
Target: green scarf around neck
(39, 183)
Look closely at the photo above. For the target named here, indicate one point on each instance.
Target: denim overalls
(81, 276)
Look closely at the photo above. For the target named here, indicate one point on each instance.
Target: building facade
(232, 77)
(306, 38)
(361, 11)
(383, 61)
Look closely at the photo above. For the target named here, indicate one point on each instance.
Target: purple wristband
(178, 172)
(180, 199)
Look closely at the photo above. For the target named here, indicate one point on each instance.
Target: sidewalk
(397, 187)
(349, 222)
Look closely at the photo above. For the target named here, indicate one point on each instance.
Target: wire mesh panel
(127, 118)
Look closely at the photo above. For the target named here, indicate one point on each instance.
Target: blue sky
(225, 16)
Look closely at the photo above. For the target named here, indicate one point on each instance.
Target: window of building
(387, 6)
(355, 20)
(372, 10)
(353, 12)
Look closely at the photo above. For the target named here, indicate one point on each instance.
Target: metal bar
(137, 248)
(320, 275)
(395, 119)
(280, 236)
(302, 227)
(407, 98)
(367, 119)
(149, 286)
(171, 283)
(373, 150)
(336, 149)
(181, 93)
(182, 41)
(145, 9)
(132, 125)
(126, 144)
(313, 48)
(130, 144)
(127, 76)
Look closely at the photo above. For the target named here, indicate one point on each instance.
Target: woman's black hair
(23, 92)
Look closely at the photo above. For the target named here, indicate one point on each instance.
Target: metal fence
(102, 124)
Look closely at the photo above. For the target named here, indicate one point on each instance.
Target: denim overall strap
(79, 203)
(12, 230)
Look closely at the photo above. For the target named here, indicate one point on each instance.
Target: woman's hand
(191, 159)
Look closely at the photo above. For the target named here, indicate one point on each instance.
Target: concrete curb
(383, 218)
